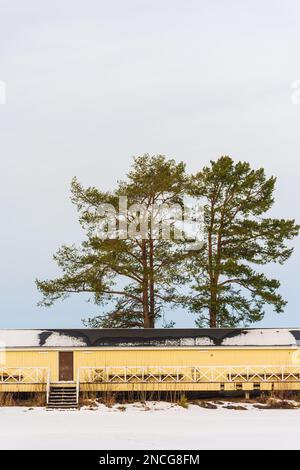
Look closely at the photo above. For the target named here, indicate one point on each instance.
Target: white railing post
(48, 386)
(77, 385)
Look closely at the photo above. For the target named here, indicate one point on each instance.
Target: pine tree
(136, 275)
(228, 286)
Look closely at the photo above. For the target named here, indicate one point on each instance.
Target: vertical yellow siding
(144, 357)
(25, 358)
(182, 357)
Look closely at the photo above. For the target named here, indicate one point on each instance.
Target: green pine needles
(135, 270)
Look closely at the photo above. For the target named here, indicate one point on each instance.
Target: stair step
(63, 389)
(62, 401)
(63, 394)
(61, 397)
(62, 406)
(54, 387)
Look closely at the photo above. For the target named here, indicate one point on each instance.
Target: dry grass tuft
(183, 401)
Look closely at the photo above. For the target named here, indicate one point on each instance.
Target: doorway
(66, 366)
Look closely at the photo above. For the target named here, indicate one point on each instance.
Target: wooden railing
(188, 374)
(26, 375)
(32, 375)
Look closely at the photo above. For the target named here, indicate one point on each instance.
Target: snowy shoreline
(154, 425)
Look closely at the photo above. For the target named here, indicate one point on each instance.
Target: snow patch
(204, 341)
(187, 342)
(198, 341)
(61, 340)
(261, 337)
(32, 339)
(18, 338)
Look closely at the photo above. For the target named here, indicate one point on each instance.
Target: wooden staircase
(62, 397)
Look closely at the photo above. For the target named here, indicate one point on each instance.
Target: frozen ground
(156, 426)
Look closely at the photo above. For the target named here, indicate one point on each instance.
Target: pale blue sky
(89, 84)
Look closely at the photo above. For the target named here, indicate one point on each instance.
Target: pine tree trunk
(145, 300)
(212, 318)
(151, 284)
(213, 307)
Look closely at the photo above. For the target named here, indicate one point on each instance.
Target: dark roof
(158, 337)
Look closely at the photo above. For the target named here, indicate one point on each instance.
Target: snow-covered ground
(155, 426)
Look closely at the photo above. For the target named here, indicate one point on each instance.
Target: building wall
(183, 357)
(32, 358)
(151, 357)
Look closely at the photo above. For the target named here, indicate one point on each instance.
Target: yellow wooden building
(67, 362)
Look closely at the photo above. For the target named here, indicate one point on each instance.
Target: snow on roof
(37, 338)
(192, 337)
(56, 338)
(264, 337)
(24, 338)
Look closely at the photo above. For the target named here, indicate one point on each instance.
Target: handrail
(191, 365)
(189, 373)
(48, 387)
(77, 386)
(24, 375)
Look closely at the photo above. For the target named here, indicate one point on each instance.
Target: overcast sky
(90, 84)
